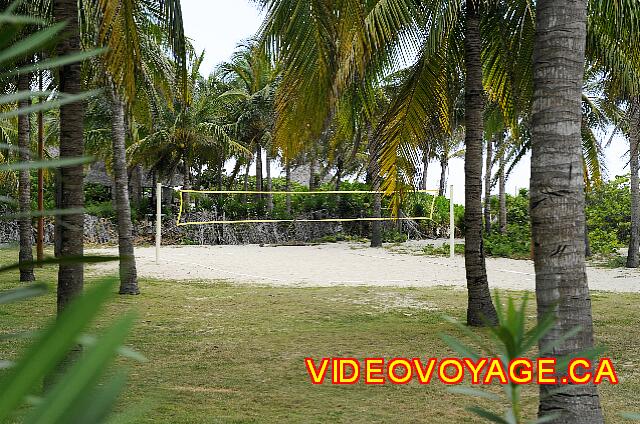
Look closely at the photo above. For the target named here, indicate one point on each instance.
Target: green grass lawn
(218, 352)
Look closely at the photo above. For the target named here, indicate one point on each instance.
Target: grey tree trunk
(425, 168)
(634, 139)
(373, 178)
(25, 256)
(269, 182)
(312, 170)
(376, 227)
(444, 164)
(557, 200)
(135, 186)
(259, 171)
(128, 272)
(487, 187)
(245, 184)
(234, 175)
(71, 194)
(339, 170)
(480, 310)
(502, 194)
(186, 197)
(287, 168)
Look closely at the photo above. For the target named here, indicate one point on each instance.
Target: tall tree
(480, 310)
(488, 175)
(372, 173)
(634, 165)
(24, 223)
(70, 227)
(557, 201)
(502, 182)
(128, 271)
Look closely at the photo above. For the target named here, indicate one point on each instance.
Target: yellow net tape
(298, 193)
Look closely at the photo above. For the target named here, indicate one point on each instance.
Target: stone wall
(104, 231)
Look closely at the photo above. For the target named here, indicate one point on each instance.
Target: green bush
(443, 250)
(96, 193)
(516, 241)
(393, 236)
(609, 215)
(603, 242)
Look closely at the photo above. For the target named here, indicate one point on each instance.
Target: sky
(217, 26)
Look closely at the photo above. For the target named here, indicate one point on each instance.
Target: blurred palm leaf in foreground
(76, 396)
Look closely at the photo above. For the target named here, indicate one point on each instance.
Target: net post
(158, 221)
(452, 225)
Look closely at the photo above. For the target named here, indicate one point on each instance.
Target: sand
(351, 264)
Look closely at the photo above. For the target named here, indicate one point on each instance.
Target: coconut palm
(113, 24)
(192, 132)
(70, 227)
(139, 37)
(323, 54)
(634, 165)
(251, 75)
(24, 223)
(557, 200)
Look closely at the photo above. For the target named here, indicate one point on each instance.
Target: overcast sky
(217, 26)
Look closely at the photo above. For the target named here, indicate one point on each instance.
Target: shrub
(609, 215)
(515, 243)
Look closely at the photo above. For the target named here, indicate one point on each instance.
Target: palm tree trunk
(502, 196)
(425, 168)
(258, 171)
(245, 183)
(287, 171)
(444, 164)
(234, 175)
(312, 169)
(71, 196)
(480, 310)
(372, 171)
(25, 256)
(487, 187)
(269, 182)
(376, 227)
(186, 197)
(634, 139)
(135, 185)
(128, 272)
(557, 201)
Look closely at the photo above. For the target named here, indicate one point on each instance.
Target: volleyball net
(233, 207)
(184, 208)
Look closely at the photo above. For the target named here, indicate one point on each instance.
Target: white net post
(452, 225)
(158, 221)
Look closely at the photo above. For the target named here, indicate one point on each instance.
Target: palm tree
(326, 48)
(323, 54)
(502, 182)
(557, 200)
(480, 310)
(634, 165)
(137, 34)
(488, 175)
(24, 223)
(70, 227)
(128, 272)
(192, 132)
(110, 23)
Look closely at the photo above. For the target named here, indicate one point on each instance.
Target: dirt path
(344, 264)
